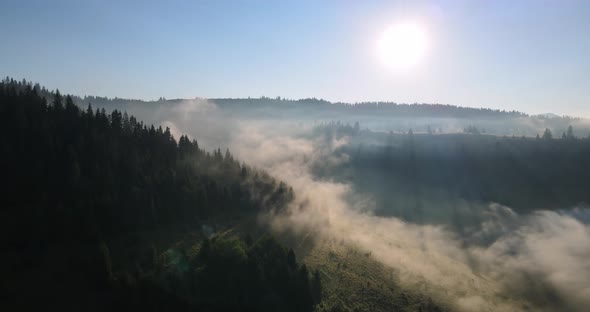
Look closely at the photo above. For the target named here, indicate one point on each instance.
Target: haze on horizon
(529, 56)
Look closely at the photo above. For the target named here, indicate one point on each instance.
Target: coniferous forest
(84, 189)
(524, 173)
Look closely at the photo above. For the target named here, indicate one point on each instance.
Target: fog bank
(503, 262)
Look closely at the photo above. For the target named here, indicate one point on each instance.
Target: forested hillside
(411, 173)
(78, 182)
(97, 175)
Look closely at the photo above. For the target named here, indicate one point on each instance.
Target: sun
(402, 45)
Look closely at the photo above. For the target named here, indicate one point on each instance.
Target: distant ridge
(548, 115)
(263, 102)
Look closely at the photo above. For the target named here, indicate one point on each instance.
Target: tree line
(394, 109)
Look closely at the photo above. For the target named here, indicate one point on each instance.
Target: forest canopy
(79, 181)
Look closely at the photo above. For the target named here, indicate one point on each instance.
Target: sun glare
(402, 45)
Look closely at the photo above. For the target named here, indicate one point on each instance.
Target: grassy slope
(355, 281)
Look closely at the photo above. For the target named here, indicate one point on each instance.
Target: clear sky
(532, 56)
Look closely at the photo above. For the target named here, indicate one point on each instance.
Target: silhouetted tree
(547, 135)
(316, 287)
(570, 133)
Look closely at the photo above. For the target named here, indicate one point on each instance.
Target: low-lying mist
(506, 262)
(501, 261)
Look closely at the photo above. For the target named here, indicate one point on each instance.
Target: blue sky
(532, 56)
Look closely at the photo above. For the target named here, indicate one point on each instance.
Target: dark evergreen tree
(547, 135)
(570, 133)
(316, 287)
